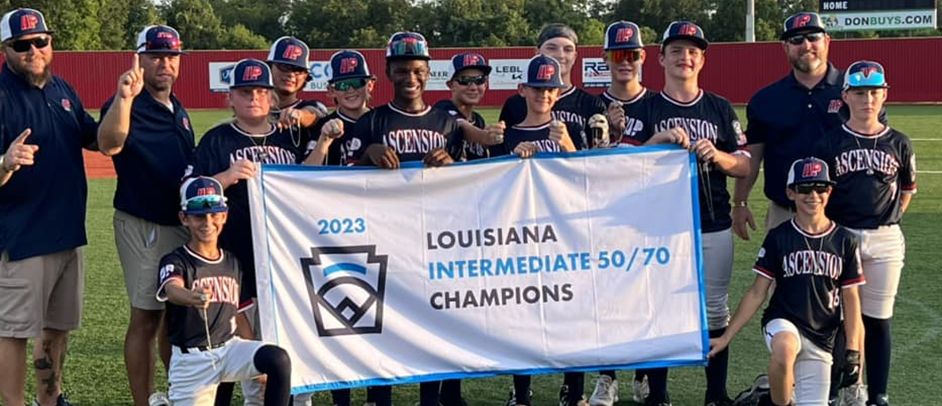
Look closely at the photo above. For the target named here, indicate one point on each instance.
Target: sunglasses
(621, 55)
(409, 48)
(163, 44)
(468, 80)
(807, 188)
(347, 84)
(812, 37)
(874, 79)
(289, 68)
(24, 45)
(205, 202)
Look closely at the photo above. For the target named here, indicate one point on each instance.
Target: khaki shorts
(777, 215)
(141, 244)
(42, 292)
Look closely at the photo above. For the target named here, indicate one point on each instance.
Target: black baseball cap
(289, 51)
(251, 73)
(22, 21)
(202, 195)
(348, 64)
(468, 60)
(684, 30)
(543, 71)
(622, 35)
(809, 170)
(802, 22)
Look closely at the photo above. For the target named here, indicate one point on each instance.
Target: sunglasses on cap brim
(24, 45)
(207, 203)
(874, 79)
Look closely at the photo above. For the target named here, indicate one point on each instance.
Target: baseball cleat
(640, 390)
(158, 399)
(606, 392)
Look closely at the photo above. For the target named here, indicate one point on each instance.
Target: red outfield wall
(734, 70)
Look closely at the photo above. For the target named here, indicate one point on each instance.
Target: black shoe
(719, 402)
(512, 401)
(881, 400)
(653, 401)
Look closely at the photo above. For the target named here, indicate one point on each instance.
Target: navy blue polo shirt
(42, 206)
(790, 119)
(160, 143)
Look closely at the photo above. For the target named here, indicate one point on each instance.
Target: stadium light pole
(750, 21)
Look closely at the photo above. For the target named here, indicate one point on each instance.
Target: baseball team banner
(559, 262)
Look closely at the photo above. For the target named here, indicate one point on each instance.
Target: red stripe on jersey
(246, 304)
(160, 289)
(764, 272)
(854, 282)
(909, 188)
(631, 141)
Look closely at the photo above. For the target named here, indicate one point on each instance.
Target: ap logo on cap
(346, 286)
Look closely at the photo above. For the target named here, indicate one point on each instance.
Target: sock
(451, 392)
(837, 368)
(428, 393)
(274, 362)
(716, 371)
(576, 383)
(224, 394)
(381, 395)
(877, 346)
(610, 374)
(341, 397)
(639, 375)
(522, 389)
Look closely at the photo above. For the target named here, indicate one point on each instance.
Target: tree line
(254, 24)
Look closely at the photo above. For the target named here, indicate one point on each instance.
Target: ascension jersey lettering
(872, 172)
(410, 135)
(573, 108)
(708, 116)
(536, 135)
(221, 276)
(809, 272)
(632, 124)
(217, 151)
(471, 150)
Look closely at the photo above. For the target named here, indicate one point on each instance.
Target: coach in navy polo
(150, 138)
(43, 128)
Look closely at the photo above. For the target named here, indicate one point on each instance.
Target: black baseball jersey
(223, 275)
(708, 116)
(303, 137)
(341, 150)
(809, 272)
(536, 135)
(871, 171)
(632, 124)
(411, 135)
(573, 108)
(471, 150)
(218, 149)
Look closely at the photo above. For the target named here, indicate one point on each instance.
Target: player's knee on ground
(272, 360)
(785, 346)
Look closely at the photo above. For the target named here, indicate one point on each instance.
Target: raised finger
(21, 139)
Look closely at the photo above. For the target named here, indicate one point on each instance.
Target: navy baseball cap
(22, 21)
(159, 39)
(202, 195)
(348, 64)
(809, 170)
(685, 30)
(622, 35)
(865, 74)
(543, 71)
(407, 45)
(802, 22)
(289, 51)
(251, 73)
(468, 60)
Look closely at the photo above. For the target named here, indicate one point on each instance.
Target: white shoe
(158, 399)
(854, 395)
(303, 399)
(606, 392)
(640, 390)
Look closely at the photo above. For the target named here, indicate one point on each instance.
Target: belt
(187, 350)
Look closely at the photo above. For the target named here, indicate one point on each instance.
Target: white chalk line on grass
(933, 330)
(930, 172)
(926, 139)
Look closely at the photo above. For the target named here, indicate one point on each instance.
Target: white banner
(219, 76)
(506, 74)
(879, 20)
(559, 262)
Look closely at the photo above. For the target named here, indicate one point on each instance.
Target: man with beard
(43, 191)
(147, 132)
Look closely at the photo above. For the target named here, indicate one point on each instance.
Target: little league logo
(346, 286)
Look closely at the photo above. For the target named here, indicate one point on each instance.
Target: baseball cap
(804, 21)
(161, 39)
(468, 60)
(348, 64)
(201, 195)
(685, 30)
(22, 21)
(407, 45)
(865, 74)
(809, 170)
(251, 72)
(622, 35)
(543, 71)
(289, 51)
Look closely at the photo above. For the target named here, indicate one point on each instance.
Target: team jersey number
(834, 297)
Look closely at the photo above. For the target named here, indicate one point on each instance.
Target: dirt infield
(98, 166)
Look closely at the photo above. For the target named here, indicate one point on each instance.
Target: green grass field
(95, 373)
